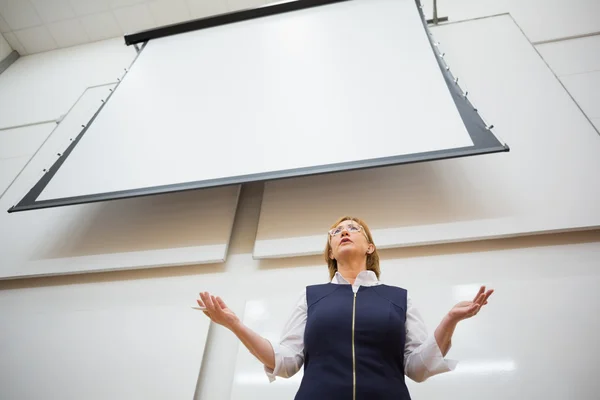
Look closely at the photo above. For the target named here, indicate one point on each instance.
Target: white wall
(540, 20)
(576, 63)
(559, 271)
(539, 323)
(557, 29)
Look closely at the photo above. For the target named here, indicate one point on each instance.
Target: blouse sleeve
(289, 352)
(422, 355)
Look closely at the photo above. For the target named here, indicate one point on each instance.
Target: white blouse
(422, 356)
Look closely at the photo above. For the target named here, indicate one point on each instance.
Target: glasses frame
(345, 228)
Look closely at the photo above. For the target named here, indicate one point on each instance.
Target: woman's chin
(347, 250)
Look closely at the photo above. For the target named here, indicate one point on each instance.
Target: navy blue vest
(376, 371)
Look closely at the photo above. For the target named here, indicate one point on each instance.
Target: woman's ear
(370, 249)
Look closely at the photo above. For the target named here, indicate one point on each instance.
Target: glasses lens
(352, 228)
(349, 228)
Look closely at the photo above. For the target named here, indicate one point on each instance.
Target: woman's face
(347, 240)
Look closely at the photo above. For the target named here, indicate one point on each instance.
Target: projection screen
(292, 89)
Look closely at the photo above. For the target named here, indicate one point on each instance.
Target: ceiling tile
(234, 5)
(596, 122)
(167, 12)
(86, 7)
(101, 26)
(19, 14)
(205, 8)
(134, 19)
(123, 3)
(5, 48)
(68, 33)
(53, 10)
(4, 26)
(14, 43)
(36, 40)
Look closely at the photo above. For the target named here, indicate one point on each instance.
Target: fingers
(208, 301)
(479, 293)
(480, 299)
(221, 302)
(205, 302)
(482, 295)
(214, 305)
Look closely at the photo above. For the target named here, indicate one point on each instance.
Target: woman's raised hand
(468, 309)
(217, 310)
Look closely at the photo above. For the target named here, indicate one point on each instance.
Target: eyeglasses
(349, 228)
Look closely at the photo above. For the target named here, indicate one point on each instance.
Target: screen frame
(484, 140)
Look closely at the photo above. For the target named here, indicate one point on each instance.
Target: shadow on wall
(556, 239)
(184, 219)
(521, 242)
(419, 194)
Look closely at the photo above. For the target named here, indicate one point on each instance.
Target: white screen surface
(339, 83)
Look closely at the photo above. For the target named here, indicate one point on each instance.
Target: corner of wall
(7, 54)
(5, 48)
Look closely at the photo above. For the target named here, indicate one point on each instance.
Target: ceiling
(34, 26)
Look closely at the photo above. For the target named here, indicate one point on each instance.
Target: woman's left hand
(467, 309)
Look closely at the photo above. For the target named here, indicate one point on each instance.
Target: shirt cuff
(272, 373)
(433, 360)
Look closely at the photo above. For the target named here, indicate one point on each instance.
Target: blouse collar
(364, 278)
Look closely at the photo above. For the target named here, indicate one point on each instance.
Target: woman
(356, 337)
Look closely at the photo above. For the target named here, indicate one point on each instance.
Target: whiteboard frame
(484, 141)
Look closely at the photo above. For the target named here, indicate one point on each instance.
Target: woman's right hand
(217, 310)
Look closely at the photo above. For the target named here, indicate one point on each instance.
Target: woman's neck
(350, 270)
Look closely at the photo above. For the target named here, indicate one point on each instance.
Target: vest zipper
(353, 354)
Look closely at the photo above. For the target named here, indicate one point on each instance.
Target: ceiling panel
(53, 10)
(135, 18)
(3, 25)
(167, 12)
(19, 14)
(42, 25)
(36, 40)
(86, 7)
(100, 26)
(12, 40)
(68, 33)
(204, 8)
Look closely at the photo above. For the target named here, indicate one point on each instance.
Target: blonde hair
(372, 259)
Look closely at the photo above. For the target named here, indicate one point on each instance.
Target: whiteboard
(547, 183)
(512, 349)
(296, 93)
(169, 230)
